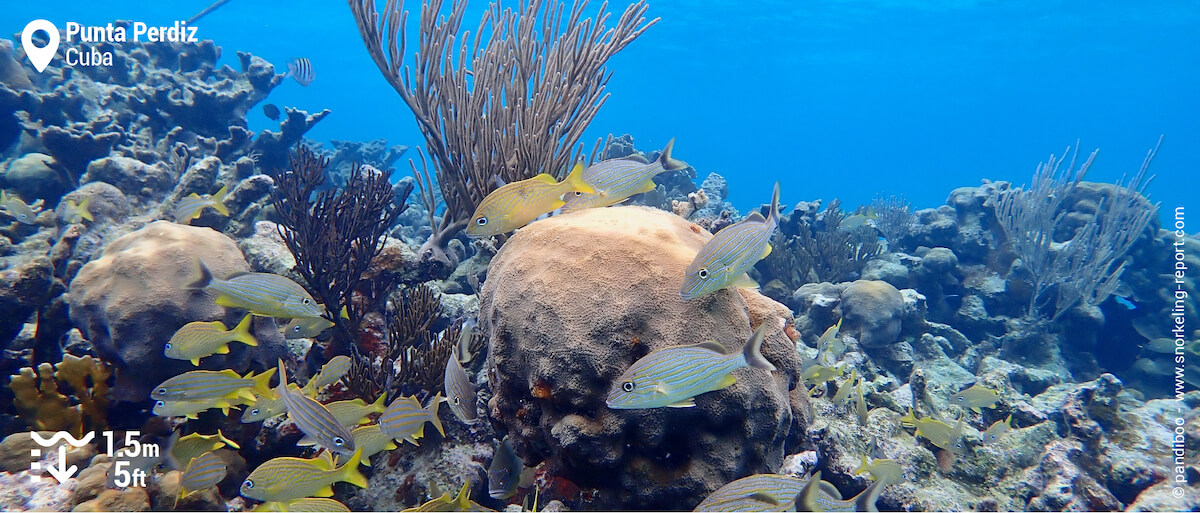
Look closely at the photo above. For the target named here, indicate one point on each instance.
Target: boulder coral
(570, 302)
(131, 299)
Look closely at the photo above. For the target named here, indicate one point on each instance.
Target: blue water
(843, 99)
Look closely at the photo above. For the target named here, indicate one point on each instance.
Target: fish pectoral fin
(223, 349)
(975, 409)
(326, 491)
(686, 403)
(745, 281)
(307, 441)
(712, 345)
(660, 389)
(556, 204)
(545, 177)
(766, 251)
(195, 361)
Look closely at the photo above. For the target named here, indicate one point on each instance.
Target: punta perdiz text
(81, 40)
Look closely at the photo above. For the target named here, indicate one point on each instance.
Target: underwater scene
(551, 255)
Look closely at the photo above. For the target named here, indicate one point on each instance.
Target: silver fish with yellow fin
(996, 430)
(405, 418)
(264, 294)
(309, 327)
(77, 212)
(615, 180)
(371, 440)
(286, 479)
(265, 406)
(519, 203)
(201, 385)
(18, 209)
(460, 392)
(196, 340)
(193, 409)
(314, 419)
(203, 472)
(880, 470)
(190, 207)
(937, 432)
(353, 412)
(332, 371)
(675, 375)
(180, 451)
(724, 260)
(976, 397)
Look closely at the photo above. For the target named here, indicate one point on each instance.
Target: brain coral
(570, 302)
(131, 299)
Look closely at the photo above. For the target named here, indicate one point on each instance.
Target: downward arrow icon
(62, 473)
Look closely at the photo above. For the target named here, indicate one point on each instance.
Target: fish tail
(219, 200)
(349, 471)
(205, 279)
(262, 382)
(378, 405)
(575, 180)
(433, 413)
(774, 214)
(668, 162)
(241, 332)
(752, 351)
(82, 207)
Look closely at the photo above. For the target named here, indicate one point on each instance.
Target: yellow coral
(43, 407)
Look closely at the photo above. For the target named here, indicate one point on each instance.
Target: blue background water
(843, 99)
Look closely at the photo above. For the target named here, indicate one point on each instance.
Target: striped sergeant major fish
(265, 294)
(318, 424)
(301, 71)
(674, 375)
(725, 258)
(615, 180)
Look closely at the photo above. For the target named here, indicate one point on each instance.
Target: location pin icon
(40, 57)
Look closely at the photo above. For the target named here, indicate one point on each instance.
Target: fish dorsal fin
(711, 345)
(756, 217)
(545, 177)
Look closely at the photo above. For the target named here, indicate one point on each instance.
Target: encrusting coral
(37, 396)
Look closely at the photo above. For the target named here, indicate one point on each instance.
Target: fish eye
(702, 273)
(159, 404)
(627, 386)
(254, 412)
(578, 193)
(248, 484)
(456, 400)
(307, 301)
(338, 441)
(481, 221)
(162, 391)
(296, 328)
(168, 345)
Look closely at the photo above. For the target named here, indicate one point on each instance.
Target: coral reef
(560, 334)
(37, 398)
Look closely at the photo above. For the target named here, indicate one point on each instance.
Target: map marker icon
(40, 57)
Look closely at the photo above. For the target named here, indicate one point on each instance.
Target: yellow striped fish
(307, 505)
(316, 422)
(880, 469)
(460, 392)
(286, 479)
(517, 204)
(371, 440)
(17, 208)
(615, 180)
(193, 409)
(355, 411)
(265, 294)
(749, 493)
(200, 385)
(937, 432)
(814, 498)
(191, 206)
(673, 376)
(725, 258)
(996, 430)
(309, 327)
(204, 472)
(405, 419)
(332, 371)
(196, 340)
(978, 396)
(264, 407)
(77, 212)
(181, 451)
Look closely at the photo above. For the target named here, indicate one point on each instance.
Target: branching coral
(511, 102)
(807, 250)
(37, 397)
(893, 218)
(334, 234)
(1067, 267)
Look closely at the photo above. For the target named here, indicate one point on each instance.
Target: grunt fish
(265, 406)
(505, 471)
(202, 473)
(200, 385)
(460, 392)
(856, 220)
(196, 340)
(306, 327)
(978, 396)
(811, 498)
(355, 411)
(313, 418)
(405, 418)
(461, 502)
(758, 492)
(725, 258)
(880, 470)
(817, 374)
(996, 430)
(193, 204)
(180, 451)
(615, 180)
(18, 209)
(937, 432)
(264, 294)
(77, 212)
(307, 504)
(519, 203)
(675, 375)
(286, 478)
(332, 371)
(371, 440)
